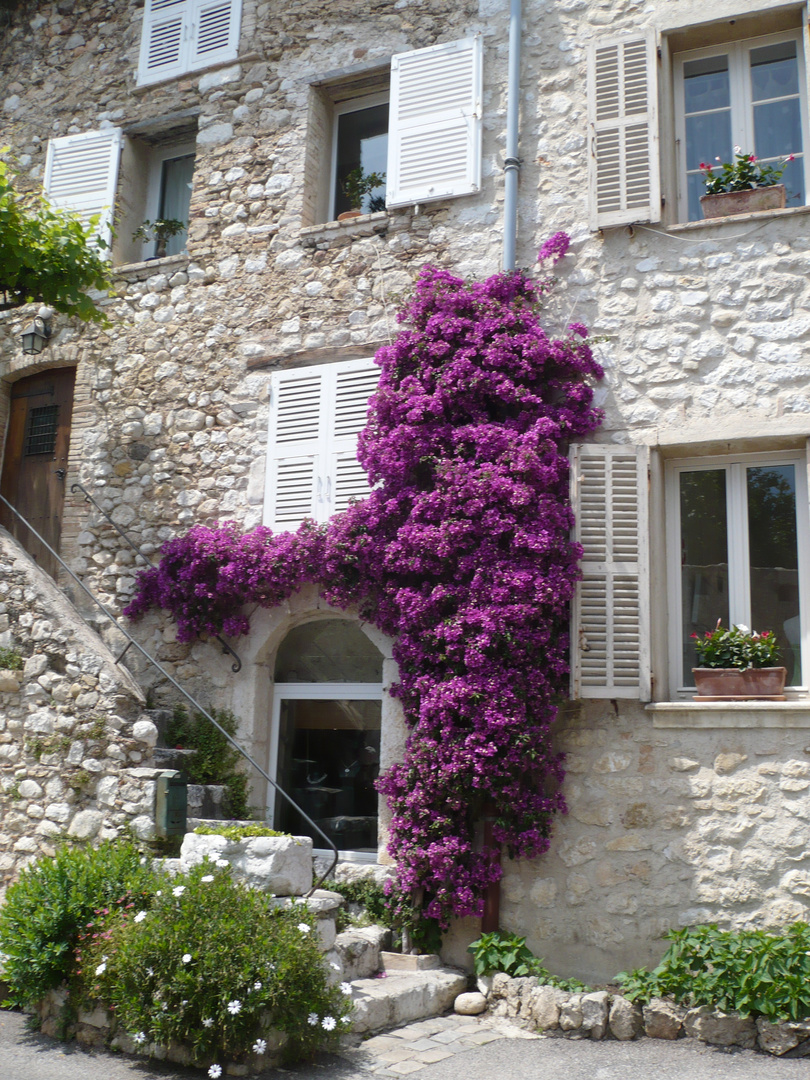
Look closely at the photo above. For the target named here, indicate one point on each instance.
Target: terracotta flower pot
(743, 202)
(347, 215)
(736, 684)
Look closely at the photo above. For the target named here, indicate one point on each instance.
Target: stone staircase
(388, 989)
(205, 801)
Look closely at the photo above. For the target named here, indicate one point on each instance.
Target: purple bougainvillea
(461, 553)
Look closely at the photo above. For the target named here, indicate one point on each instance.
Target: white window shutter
(623, 160)
(81, 174)
(164, 40)
(354, 383)
(294, 487)
(610, 631)
(434, 128)
(215, 32)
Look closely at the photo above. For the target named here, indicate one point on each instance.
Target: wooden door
(36, 459)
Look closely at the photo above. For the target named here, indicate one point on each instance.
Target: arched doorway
(325, 748)
(35, 460)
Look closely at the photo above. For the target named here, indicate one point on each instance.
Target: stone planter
(743, 202)
(735, 684)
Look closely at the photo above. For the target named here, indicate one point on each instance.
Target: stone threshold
(730, 715)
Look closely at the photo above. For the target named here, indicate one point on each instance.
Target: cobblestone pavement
(412, 1048)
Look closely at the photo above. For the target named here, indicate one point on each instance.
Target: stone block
(595, 1013)
(571, 1013)
(392, 961)
(281, 865)
(626, 1020)
(663, 1019)
(546, 1002)
(401, 998)
(720, 1028)
(359, 951)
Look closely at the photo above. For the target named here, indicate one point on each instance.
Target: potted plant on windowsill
(355, 186)
(159, 230)
(737, 664)
(742, 186)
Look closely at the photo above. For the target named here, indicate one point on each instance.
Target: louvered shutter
(624, 180)
(434, 133)
(295, 449)
(353, 385)
(164, 41)
(215, 32)
(81, 174)
(610, 633)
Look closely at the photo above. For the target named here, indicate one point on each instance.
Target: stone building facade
(679, 811)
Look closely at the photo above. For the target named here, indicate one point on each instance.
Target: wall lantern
(35, 336)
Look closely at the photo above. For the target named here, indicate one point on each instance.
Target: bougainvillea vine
(461, 553)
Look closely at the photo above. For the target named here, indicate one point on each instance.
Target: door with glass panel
(326, 724)
(738, 554)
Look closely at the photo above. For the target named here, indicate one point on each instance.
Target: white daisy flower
(304, 927)
(329, 1023)
(345, 1019)
(150, 972)
(234, 1007)
(222, 863)
(257, 985)
(345, 988)
(207, 1022)
(312, 1019)
(140, 916)
(101, 969)
(186, 957)
(259, 1046)
(207, 878)
(178, 890)
(139, 1038)
(215, 1072)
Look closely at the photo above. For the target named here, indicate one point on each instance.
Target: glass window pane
(774, 71)
(328, 762)
(328, 650)
(708, 136)
(175, 197)
(793, 179)
(774, 560)
(706, 84)
(362, 140)
(778, 128)
(704, 558)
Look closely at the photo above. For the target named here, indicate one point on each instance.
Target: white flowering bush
(216, 965)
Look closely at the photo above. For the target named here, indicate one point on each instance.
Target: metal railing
(191, 700)
(236, 666)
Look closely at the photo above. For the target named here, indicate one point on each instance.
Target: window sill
(365, 225)
(153, 266)
(738, 219)
(245, 58)
(729, 715)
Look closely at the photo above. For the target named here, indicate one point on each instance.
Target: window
(316, 414)
(187, 35)
(738, 548)
(426, 138)
(169, 180)
(747, 94)
(360, 141)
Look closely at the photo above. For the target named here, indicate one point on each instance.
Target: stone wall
(75, 755)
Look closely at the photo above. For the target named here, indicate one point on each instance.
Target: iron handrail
(236, 666)
(191, 700)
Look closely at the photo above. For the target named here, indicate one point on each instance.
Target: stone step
(402, 997)
(359, 951)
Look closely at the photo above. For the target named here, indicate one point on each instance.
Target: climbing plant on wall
(461, 553)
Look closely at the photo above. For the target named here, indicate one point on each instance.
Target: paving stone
(405, 1067)
(429, 1057)
(392, 1057)
(446, 1036)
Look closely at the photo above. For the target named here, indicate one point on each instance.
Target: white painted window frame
(326, 691)
(350, 106)
(742, 107)
(739, 599)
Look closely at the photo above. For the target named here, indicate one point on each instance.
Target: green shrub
(747, 971)
(237, 832)
(498, 951)
(49, 907)
(215, 760)
(214, 965)
(369, 895)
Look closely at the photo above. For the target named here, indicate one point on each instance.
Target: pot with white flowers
(742, 186)
(737, 664)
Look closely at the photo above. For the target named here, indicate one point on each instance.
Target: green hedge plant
(745, 971)
(509, 953)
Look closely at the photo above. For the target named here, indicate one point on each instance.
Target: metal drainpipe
(511, 168)
(511, 165)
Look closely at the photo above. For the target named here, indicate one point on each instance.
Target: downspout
(511, 165)
(492, 896)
